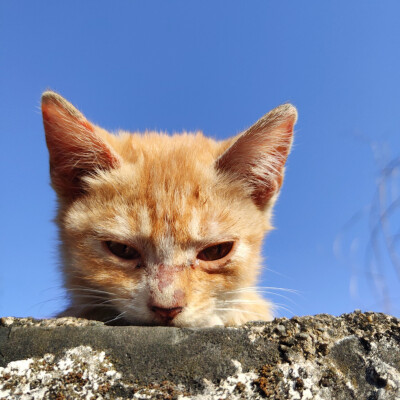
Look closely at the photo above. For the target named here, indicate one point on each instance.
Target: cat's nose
(167, 313)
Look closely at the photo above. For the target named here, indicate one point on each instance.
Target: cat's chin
(205, 322)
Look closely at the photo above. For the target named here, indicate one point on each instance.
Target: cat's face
(163, 230)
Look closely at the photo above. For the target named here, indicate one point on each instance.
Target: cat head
(159, 229)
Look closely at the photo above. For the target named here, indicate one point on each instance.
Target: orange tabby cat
(164, 230)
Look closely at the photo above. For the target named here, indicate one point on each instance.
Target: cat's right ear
(75, 148)
(257, 157)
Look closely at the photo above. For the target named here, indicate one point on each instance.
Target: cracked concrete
(354, 356)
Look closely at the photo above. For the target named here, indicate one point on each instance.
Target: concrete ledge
(354, 356)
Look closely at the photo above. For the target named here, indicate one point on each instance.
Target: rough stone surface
(354, 356)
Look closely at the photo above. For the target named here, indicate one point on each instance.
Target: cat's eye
(215, 252)
(122, 250)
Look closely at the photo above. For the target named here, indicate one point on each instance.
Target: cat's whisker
(239, 310)
(93, 305)
(56, 299)
(90, 294)
(132, 307)
(240, 301)
(278, 306)
(119, 316)
(270, 293)
(86, 289)
(283, 297)
(49, 300)
(105, 302)
(277, 273)
(262, 288)
(93, 299)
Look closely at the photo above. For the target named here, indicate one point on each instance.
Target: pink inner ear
(263, 194)
(75, 149)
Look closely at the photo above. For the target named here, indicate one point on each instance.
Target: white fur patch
(121, 226)
(117, 226)
(213, 229)
(242, 252)
(78, 217)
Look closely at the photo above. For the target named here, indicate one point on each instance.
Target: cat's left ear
(258, 155)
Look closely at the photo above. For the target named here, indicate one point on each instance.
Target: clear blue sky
(216, 66)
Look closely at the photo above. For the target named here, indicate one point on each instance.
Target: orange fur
(169, 198)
